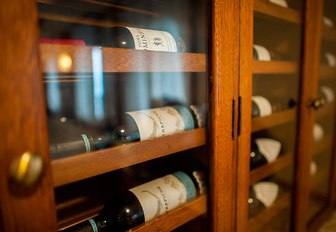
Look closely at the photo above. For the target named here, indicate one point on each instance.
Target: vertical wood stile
(225, 70)
(308, 89)
(245, 91)
(23, 113)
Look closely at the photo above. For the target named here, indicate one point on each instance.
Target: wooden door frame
(312, 26)
(23, 121)
(224, 100)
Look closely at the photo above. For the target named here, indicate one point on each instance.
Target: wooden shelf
(276, 119)
(283, 13)
(274, 67)
(97, 6)
(177, 217)
(327, 72)
(118, 60)
(323, 145)
(326, 110)
(74, 168)
(329, 33)
(284, 160)
(256, 223)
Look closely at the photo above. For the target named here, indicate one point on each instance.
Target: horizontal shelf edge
(274, 67)
(280, 163)
(178, 216)
(117, 59)
(276, 119)
(79, 167)
(279, 12)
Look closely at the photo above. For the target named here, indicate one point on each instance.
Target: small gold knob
(26, 169)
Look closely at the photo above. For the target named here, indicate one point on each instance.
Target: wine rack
(52, 51)
(268, 17)
(75, 63)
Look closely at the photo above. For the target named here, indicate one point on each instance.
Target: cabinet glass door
(321, 185)
(275, 94)
(126, 86)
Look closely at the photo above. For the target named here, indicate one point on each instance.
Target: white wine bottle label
(329, 93)
(266, 192)
(270, 148)
(282, 3)
(164, 194)
(145, 39)
(331, 59)
(313, 168)
(318, 132)
(263, 53)
(327, 22)
(157, 122)
(265, 107)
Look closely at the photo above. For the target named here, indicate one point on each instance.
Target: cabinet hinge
(236, 120)
(239, 114)
(233, 119)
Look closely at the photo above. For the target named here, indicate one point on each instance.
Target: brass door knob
(317, 103)
(26, 169)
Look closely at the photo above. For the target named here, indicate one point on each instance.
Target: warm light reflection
(64, 62)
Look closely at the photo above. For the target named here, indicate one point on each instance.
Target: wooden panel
(256, 223)
(308, 85)
(271, 9)
(225, 43)
(274, 67)
(261, 123)
(285, 160)
(118, 60)
(177, 217)
(23, 122)
(245, 92)
(74, 168)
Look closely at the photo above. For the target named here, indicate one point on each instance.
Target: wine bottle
(263, 151)
(282, 3)
(327, 22)
(145, 39)
(82, 143)
(261, 106)
(318, 132)
(327, 94)
(145, 202)
(157, 122)
(329, 59)
(264, 54)
(262, 195)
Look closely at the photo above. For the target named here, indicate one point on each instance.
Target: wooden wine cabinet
(74, 188)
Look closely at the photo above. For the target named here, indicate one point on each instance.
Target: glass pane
(276, 60)
(120, 77)
(323, 133)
